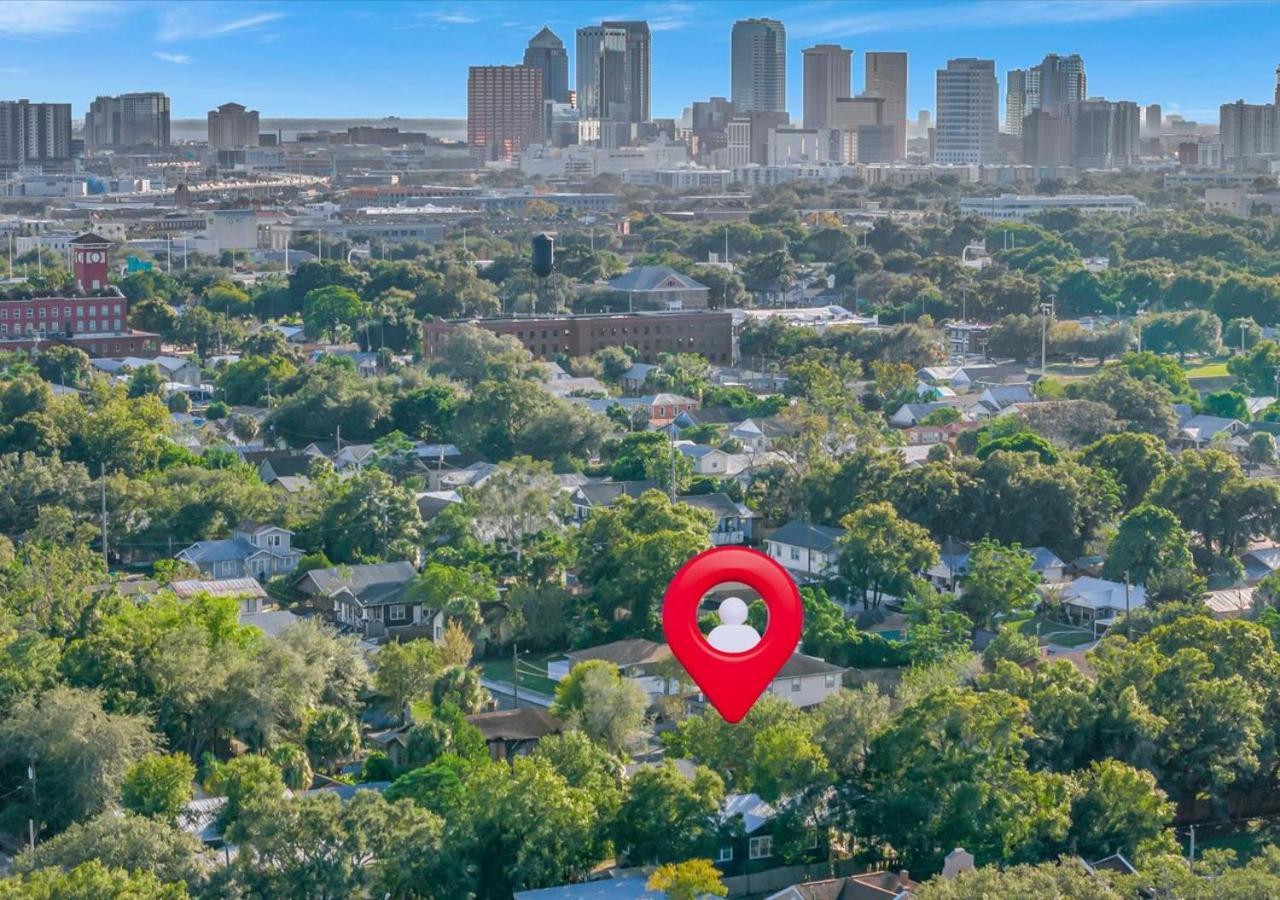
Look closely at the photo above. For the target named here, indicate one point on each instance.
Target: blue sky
(410, 59)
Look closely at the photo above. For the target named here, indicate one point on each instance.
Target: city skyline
(297, 59)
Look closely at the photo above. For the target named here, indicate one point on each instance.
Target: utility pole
(35, 799)
(1045, 310)
(106, 561)
(1191, 856)
(515, 675)
(338, 438)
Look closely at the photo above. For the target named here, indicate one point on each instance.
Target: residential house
(254, 550)
(509, 733)
(1259, 563)
(432, 503)
(749, 842)
(283, 465)
(733, 519)
(1000, 397)
(886, 885)
(293, 334)
(638, 658)
(704, 459)
(603, 494)
(953, 565)
(664, 407)
(248, 591)
(473, 475)
(1201, 431)
(1046, 564)
(953, 377)
(660, 287)
(750, 435)
(1231, 603)
(1097, 600)
(806, 681)
(634, 379)
(912, 413)
(804, 549)
(564, 387)
(371, 600)
(172, 368)
(928, 435)
(354, 456)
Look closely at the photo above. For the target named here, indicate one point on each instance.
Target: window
(830, 681)
(395, 613)
(724, 854)
(760, 847)
(795, 552)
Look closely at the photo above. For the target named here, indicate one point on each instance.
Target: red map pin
(732, 681)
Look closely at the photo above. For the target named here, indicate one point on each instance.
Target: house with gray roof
(1001, 396)
(603, 494)
(372, 600)
(804, 550)
(911, 413)
(661, 287)
(254, 550)
(733, 519)
(1200, 431)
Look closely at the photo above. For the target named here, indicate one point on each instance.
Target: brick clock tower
(89, 258)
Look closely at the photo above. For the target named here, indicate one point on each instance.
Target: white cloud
(51, 17)
(186, 23)
(455, 16)
(180, 59)
(981, 14)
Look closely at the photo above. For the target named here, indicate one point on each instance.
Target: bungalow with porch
(371, 600)
(1088, 600)
(254, 550)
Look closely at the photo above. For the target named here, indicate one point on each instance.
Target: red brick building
(707, 333)
(96, 320)
(504, 109)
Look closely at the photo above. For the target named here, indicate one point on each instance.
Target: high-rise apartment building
(129, 120)
(828, 74)
(1104, 133)
(636, 69)
(34, 132)
(504, 109)
(602, 70)
(887, 78)
(1046, 139)
(1052, 85)
(968, 113)
(613, 61)
(1015, 101)
(758, 66)
(1062, 82)
(854, 114)
(546, 52)
(1154, 119)
(1246, 129)
(232, 125)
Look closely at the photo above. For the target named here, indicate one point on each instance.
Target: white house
(254, 550)
(1098, 600)
(803, 549)
(704, 459)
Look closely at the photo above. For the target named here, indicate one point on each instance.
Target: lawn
(1056, 632)
(500, 670)
(1206, 369)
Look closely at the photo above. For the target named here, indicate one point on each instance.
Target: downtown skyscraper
(886, 73)
(613, 60)
(34, 132)
(1052, 86)
(546, 52)
(827, 77)
(968, 113)
(758, 66)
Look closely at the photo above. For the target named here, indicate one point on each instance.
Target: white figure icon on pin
(733, 634)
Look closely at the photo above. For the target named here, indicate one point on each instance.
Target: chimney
(904, 878)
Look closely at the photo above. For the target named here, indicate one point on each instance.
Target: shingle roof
(605, 493)
(371, 584)
(812, 537)
(754, 811)
(648, 278)
(630, 652)
(800, 665)
(516, 724)
(719, 503)
(225, 550)
(220, 587)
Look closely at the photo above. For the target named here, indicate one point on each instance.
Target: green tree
(145, 381)
(1148, 542)
(1227, 404)
(331, 737)
(999, 580)
(460, 686)
(1136, 460)
(627, 555)
(404, 672)
(668, 817)
(880, 553)
(1213, 499)
(159, 786)
(131, 842)
(595, 699)
(1063, 878)
(294, 765)
(245, 781)
(1257, 368)
(89, 881)
(325, 309)
(366, 517)
(1117, 808)
(63, 364)
(82, 753)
